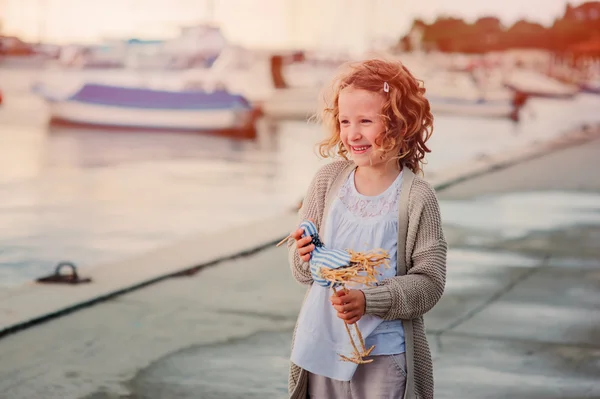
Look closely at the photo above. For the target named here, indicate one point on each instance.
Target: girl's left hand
(350, 305)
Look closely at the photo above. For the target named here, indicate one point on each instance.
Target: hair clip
(386, 87)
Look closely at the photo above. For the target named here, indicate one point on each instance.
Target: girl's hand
(350, 305)
(303, 245)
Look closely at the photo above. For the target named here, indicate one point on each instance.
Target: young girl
(379, 121)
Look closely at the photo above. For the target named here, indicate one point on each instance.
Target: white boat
(591, 86)
(299, 100)
(291, 103)
(473, 108)
(458, 93)
(538, 85)
(141, 108)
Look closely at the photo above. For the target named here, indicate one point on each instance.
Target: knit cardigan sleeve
(312, 208)
(412, 295)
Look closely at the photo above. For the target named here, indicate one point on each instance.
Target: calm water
(92, 196)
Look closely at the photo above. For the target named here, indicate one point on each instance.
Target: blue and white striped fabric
(322, 256)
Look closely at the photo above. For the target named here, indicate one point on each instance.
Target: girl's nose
(355, 134)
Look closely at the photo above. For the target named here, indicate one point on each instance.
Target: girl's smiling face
(361, 125)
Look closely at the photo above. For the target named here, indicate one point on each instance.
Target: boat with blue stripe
(146, 108)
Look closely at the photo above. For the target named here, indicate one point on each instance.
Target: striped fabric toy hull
(322, 256)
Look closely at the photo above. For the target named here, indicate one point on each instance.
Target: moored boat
(143, 108)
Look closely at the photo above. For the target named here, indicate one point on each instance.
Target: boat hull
(161, 119)
(541, 93)
(493, 109)
(590, 88)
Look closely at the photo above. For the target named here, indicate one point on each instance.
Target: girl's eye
(365, 121)
(344, 122)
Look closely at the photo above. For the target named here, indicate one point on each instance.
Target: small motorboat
(144, 108)
(590, 86)
(535, 84)
(479, 108)
(461, 94)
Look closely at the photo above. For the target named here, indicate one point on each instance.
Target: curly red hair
(406, 112)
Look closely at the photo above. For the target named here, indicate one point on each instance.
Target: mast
(41, 25)
(210, 12)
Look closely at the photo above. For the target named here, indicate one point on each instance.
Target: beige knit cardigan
(421, 273)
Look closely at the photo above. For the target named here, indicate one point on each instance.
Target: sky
(255, 23)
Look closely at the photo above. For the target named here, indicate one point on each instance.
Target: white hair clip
(386, 87)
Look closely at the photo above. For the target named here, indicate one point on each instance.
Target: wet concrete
(572, 169)
(260, 362)
(98, 350)
(558, 243)
(474, 367)
(529, 234)
(474, 280)
(520, 317)
(466, 367)
(548, 305)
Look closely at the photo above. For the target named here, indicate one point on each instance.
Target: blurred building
(586, 12)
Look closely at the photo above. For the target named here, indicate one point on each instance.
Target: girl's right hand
(304, 245)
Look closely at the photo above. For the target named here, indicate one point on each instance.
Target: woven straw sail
(323, 257)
